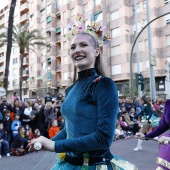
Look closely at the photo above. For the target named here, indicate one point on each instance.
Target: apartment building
(50, 69)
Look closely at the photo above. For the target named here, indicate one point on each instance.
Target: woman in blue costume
(90, 112)
(146, 114)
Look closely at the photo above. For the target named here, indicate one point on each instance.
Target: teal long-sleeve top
(146, 111)
(90, 112)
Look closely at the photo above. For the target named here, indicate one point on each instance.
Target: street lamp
(131, 53)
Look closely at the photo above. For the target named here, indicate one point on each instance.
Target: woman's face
(83, 53)
(16, 103)
(141, 101)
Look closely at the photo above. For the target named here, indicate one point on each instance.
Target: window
(138, 27)
(15, 60)
(167, 19)
(64, 45)
(100, 17)
(136, 68)
(112, 1)
(14, 82)
(64, 2)
(137, 8)
(72, 12)
(115, 50)
(85, 7)
(144, 4)
(48, 19)
(65, 76)
(25, 92)
(98, 2)
(65, 60)
(43, 65)
(114, 15)
(58, 3)
(32, 68)
(48, 8)
(166, 1)
(115, 32)
(146, 43)
(65, 30)
(64, 15)
(168, 40)
(116, 69)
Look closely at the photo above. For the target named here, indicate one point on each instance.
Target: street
(144, 160)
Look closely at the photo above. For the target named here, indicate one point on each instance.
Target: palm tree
(9, 44)
(26, 41)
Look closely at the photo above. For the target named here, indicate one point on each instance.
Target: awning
(39, 77)
(58, 30)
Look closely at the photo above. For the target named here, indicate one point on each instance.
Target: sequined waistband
(163, 162)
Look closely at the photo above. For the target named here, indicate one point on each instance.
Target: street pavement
(43, 160)
(144, 160)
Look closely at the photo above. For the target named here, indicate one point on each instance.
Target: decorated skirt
(116, 163)
(164, 156)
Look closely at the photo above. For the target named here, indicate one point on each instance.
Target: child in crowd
(120, 134)
(138, 110)
(7, 125)
(28, 132)
(19, 146)
(61, 122)
(54, 130)
(37, 133)
(3, 142)
(16, 124)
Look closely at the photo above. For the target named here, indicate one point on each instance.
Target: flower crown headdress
(74, 28)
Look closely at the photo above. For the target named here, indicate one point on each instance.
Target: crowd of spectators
(22, 121)
(128, 123)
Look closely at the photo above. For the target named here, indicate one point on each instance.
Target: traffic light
(140, 80)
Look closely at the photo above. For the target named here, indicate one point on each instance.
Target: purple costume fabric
(164, 150)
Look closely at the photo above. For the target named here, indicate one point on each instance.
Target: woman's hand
(46, 144)
(139, 136)
(164, 140)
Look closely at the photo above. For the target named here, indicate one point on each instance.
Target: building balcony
(25, 62)
(59, 83)
(58, 53)
(58, 68)
(25, 85)
(58, 23)
(2, 59)
(48, 39)
(24, 18)
(25, 73)
(2, 21)
(2, 30)
(2, 69)
(1, 49)
(24, 7)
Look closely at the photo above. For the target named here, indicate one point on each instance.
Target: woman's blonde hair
(29, 102)
(48, 104)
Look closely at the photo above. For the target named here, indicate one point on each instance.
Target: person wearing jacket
(49, 114)
(54, 129)
(3, 142)
(19, 145)
(16, 124)
(7, 121)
